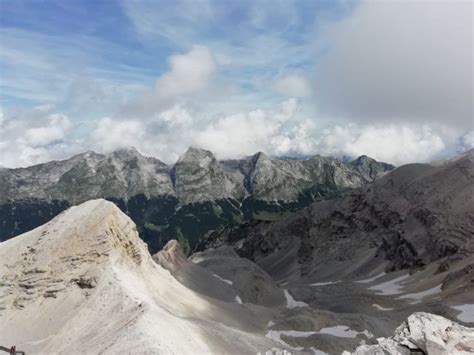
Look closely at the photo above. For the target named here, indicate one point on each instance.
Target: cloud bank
(400, 60)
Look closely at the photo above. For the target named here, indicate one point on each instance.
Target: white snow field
(86, 283)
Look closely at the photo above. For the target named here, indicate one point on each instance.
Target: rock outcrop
(423, 333)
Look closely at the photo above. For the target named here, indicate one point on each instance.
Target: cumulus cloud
(292, 86)
(282, 131)
(393, 143)
(110, 134)
(246, 133)
(54, 129)
(189, 72)
(31, 136)
(400, 59)
(190, 78)
(169, 133)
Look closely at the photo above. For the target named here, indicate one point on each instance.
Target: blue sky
(128, 43)
(286, 77)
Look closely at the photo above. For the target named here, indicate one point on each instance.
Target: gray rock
(423, 333)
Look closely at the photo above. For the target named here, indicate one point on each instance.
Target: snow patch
(325, 283)
(222, 279)
(238, 300)
(318, 352)
(291, 302)
(420, 295)
(467, 312)
(275, 335)
(275, 351)
(343, 331)
(390, 287)
(366, 281)
(380, 308)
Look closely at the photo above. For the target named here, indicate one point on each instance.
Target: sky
(389, 79)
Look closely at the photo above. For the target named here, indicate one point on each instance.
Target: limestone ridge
(196, 176)
(92, 234)
(91, 286)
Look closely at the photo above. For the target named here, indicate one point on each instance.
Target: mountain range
(182, 201)
(386, 268)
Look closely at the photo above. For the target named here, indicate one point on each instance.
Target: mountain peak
(127, 152)
(260, 156)
(196, 155)
(363, 159)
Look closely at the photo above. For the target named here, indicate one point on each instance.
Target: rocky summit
(182, 201)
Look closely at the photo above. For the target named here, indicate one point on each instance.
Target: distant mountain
(185, 200)
(416, 216)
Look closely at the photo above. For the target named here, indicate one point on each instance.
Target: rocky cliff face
(185, 200)
(198, 176)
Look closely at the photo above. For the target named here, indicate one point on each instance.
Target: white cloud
(111, 134)
(283, 131)
(169, 133)
(189, 73)
(409, 60)
(246, 133)
(190, 79)
(177, 116)
(467, 140)
(55, 130)
(393, 143)
(32, 136)
(292, 86)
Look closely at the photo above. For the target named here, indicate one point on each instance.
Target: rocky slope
(85, 283)
(184, 200)
(403, 244)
